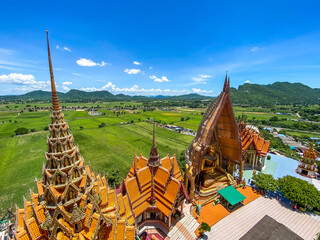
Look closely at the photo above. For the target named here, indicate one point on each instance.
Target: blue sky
(158, 47)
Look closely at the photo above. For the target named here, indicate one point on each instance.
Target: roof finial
(225, 81)
(55, 101)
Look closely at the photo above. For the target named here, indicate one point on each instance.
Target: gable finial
(225, 81)
(55, 100)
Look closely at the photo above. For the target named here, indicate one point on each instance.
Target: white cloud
(137, 63)
(254, 49)
(201, 79)
(67, 83)
(248, 81)
(65, 88)
(205, 76)
(200, 91)
(27, 81)
(132, 71)
(17, 78)
(6, 51)
(163, 79)
(150, 68)
(77, 74)
(89, 63)
(136, 90)
(63, 48)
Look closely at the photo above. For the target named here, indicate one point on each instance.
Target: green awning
(232, 195)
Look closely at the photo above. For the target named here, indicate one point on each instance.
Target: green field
(21, 157)
(126, 133)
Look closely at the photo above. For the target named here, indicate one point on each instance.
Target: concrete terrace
(238, 223)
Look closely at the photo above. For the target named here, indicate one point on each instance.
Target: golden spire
(154, 133)
(55, 100)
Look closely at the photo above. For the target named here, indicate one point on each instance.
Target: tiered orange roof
(72, 201)
(154, 185)
(250, 137)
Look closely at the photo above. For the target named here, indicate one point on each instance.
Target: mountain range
(247, 94)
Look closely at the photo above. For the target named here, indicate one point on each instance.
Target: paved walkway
(184, 229)
(235, 225)
(212, 214)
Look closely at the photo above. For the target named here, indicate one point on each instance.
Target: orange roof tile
(40, 187)
(87, 213)
(130, 233)
(20, 221)
(120, 230)
(55, 192)
(39, 213)
(83, 181)
(23, 235)
(34, 199)
(28, 209)
(104, 195)
(33, 228)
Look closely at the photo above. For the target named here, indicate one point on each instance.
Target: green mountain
(276, 93)
(248, 94)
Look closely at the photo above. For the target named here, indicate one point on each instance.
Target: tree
(182, 162)
(113, 176)
(300, 191)
(182, 119)
(265, 182)
(273, 119)
(20, 131)
(46, 128)
(102, 125)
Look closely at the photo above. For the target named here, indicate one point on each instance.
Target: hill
(246, 94)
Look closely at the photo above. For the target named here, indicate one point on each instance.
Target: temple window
(140, 219)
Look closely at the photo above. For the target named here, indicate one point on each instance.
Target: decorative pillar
(241, 170)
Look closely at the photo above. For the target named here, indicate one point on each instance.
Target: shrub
(32, 130)
(46, 128)
(265, 182)
(204, 227)
(268, 157)
(113, 176)
(20, 131)
(300, 191)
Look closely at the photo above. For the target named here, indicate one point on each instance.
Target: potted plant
(204, 227)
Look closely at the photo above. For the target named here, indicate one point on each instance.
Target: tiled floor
(235, 225)
(184, 229)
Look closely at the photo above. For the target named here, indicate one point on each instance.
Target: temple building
(308, 166)
(215, 150)
(221, 147)
(254, 147)
(72, 201)
(155, 189)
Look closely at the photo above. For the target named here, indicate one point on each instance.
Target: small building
(254, 147)
(231, 198)
(155, 189)
(308, 166)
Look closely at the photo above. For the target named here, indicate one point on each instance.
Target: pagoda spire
(154, 133)
(154, 160)
(55, 100)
